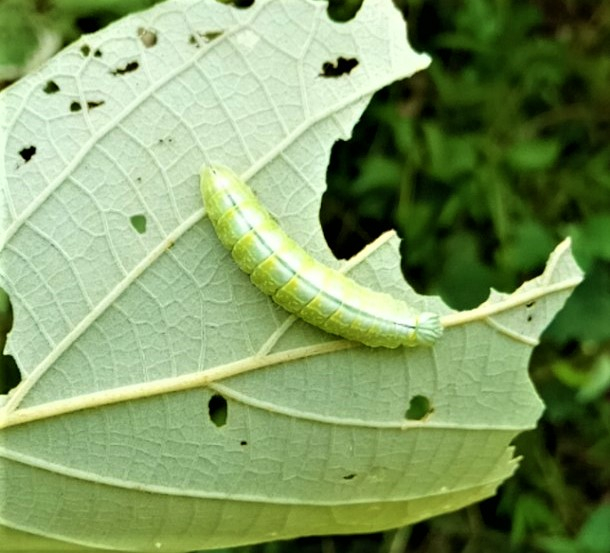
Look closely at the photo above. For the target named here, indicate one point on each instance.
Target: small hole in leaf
(349, 476)
(148, 37)
(92, 105)
(27, 153)
(97, 53)
(240, 3)
(128, 68)
(340, 10)
(9, 372)
(211, 35)
(243, 442)
(51, 87)
(419, 407)
(138, 222)
(217, 408)
(343, 66)
(75, 106)
(85, 50)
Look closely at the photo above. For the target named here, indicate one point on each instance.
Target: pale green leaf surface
(123, 335)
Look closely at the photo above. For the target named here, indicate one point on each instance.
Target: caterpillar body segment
(318, 294)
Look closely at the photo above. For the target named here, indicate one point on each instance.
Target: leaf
(166, 404)
(594, 536)
(533, 155)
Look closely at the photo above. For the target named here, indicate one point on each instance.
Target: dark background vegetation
(483, 163)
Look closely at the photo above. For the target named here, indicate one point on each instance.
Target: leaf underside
(168, 405)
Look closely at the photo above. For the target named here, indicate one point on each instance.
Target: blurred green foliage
(482, 163)
(31, 31)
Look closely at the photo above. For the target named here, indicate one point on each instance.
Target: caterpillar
(318, 294)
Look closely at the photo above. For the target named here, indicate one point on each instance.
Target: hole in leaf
(343, 66)
(9, 372)
(92, 105)
(138, 222)
(148, 37)
(240, 3)
(128, 68)
(211, 35)
(27, 153)
(419, 407)
(340, 10)
(97, 53)
(51, 87)
(217, 408)
(243, 442)
(75, 106)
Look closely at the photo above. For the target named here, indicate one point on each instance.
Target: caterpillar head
(428, 328)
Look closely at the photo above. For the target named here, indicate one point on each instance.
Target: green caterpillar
(280, 268)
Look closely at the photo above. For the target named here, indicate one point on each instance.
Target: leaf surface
(166, 404)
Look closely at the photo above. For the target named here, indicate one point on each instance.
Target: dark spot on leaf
(343, 66)
(85, 50)
(138, 222)
(131, 66)
(97, 53)
(148, 37)
(243, 442)
(27, 153)
(75, 106)
(51, 87)
(529, 318)
(349, 476)
(530, 304)
(217, 409)
(193, 41)
(419, 407)
(92, 105)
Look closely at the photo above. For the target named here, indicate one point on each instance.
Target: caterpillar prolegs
(280, 268)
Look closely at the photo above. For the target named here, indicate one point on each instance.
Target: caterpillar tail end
(429, 328)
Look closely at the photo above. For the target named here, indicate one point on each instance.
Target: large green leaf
(166, 404)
